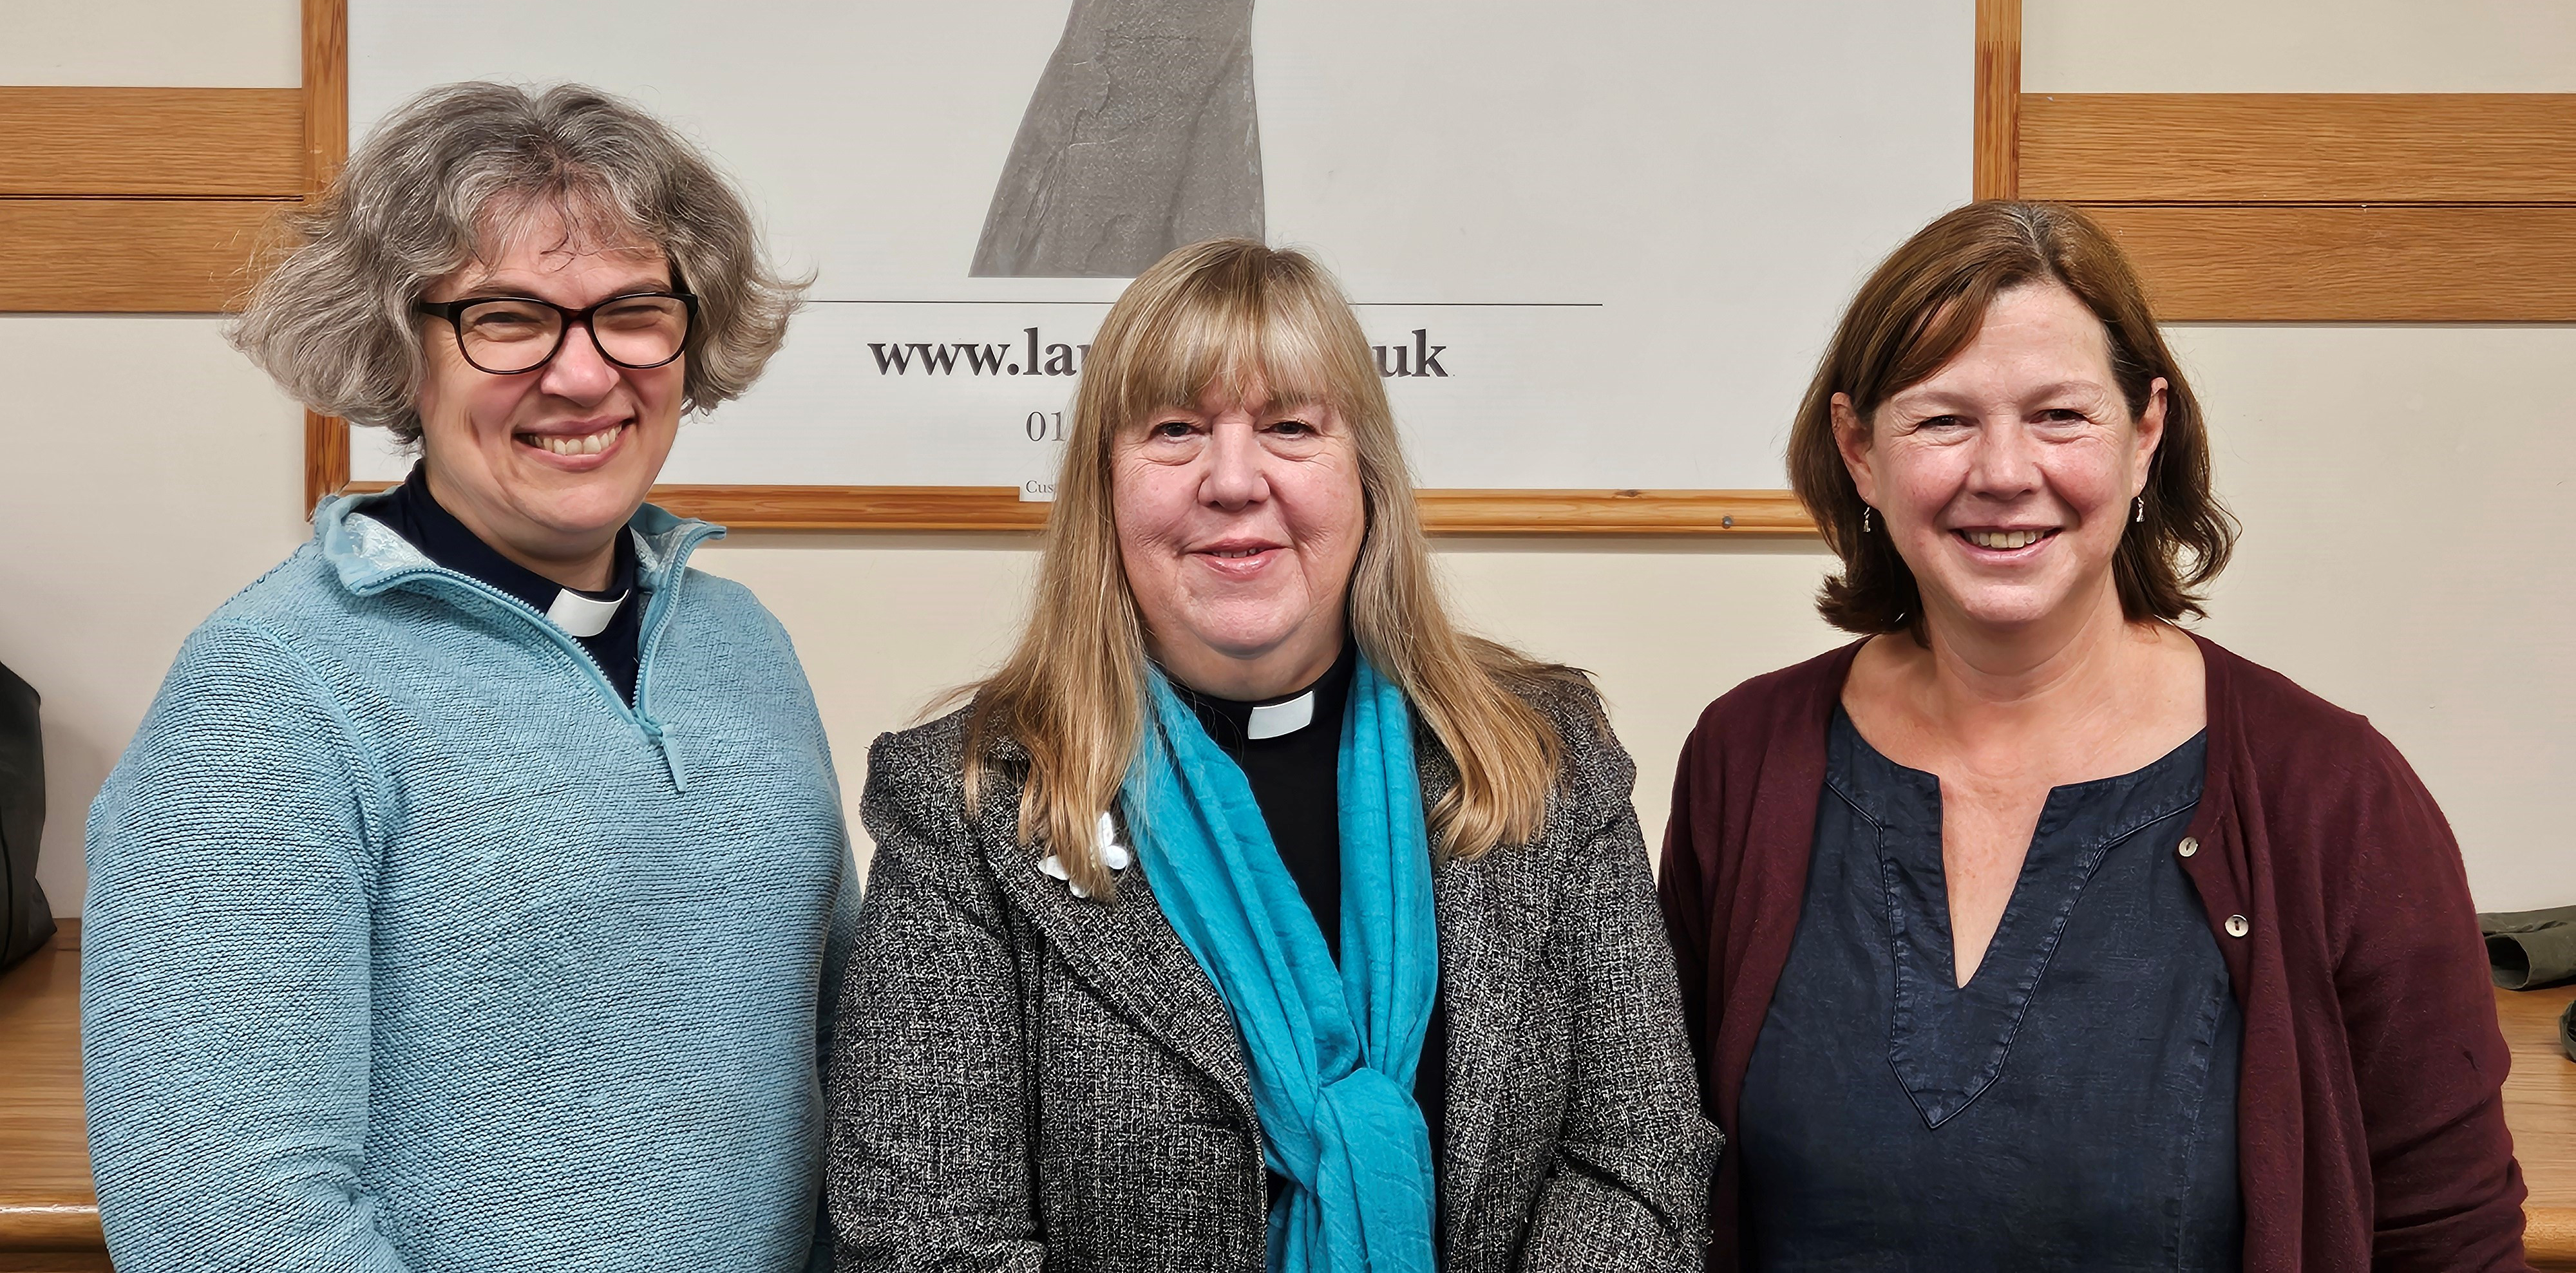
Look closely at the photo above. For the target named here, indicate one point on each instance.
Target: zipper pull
(670, 758)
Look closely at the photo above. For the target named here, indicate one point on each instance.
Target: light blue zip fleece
(411, 946)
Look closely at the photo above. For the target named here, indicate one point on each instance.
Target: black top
(1296, 779)
(2072, 1107)
(410, 511)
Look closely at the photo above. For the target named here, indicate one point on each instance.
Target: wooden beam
(192, 142)
(856, 507)
(147, 256)
(2299, 147)
(326, 147)
(326, 457)
(1996, 172)
(1733, 514)
(326, 90)
(2350, 263)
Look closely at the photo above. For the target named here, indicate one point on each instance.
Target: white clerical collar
(1271, 720)
(582, 616)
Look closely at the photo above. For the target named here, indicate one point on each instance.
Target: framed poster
(1598, 245)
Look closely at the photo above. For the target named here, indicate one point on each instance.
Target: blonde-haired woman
(1252, 916)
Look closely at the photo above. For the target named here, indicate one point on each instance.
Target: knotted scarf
(1332, 1051)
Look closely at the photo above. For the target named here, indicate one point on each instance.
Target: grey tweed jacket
(1024, 1080)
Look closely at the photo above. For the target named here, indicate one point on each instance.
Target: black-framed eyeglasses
(514, 335)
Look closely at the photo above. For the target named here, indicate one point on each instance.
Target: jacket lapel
(1125, 950)
(1493, 923)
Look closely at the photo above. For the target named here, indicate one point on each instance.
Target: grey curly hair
(439, 184)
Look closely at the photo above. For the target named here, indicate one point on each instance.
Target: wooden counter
(49, 1217)
(2540, 1106)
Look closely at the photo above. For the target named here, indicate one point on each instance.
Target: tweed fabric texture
(1024, 1080)
(411, 946)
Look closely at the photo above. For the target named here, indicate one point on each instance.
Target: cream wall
(2405, 490)
(2298, 46)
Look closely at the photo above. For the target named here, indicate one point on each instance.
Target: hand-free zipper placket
(656, 617)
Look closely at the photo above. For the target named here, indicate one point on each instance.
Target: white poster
(1598, 244)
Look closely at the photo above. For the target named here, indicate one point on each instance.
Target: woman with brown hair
(2031, 930)
(1252, 916)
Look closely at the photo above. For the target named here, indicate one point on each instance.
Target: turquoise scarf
(1332, 1051)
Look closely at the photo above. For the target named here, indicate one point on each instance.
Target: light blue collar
(370, 558)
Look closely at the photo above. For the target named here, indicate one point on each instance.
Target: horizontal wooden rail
(2350, 263)
(2549, 1238)
(2298, 147)
(157, 142)
(141, 200)
(29, 1225)
(1749, 514)
(1760, 514)
(151, 256)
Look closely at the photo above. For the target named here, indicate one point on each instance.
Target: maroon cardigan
(2371, 1127)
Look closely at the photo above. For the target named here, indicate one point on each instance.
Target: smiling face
(1239, 521)
(2004, 479)
(546, 466)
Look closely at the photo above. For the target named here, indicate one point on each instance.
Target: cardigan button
(2237, 927)
(2189, 846)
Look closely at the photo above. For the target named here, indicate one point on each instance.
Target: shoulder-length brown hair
(1923, 306)
(1228, 313)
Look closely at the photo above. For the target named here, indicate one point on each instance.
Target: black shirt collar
(1229, 721)
(409, 510)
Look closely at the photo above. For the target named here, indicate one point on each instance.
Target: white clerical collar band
(1275, 719)
(582, 616)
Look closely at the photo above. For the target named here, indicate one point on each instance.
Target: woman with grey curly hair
(466, 900)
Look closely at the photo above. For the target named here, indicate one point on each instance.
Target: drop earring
(1865, 511)
(2142, 510)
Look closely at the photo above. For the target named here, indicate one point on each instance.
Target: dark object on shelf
(2531, 949)
(2567, 1031)
(26, 919)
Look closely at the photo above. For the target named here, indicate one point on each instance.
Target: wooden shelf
(48, 1214)
(2540, 1107)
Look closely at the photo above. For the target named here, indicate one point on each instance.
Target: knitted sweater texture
(410, 946)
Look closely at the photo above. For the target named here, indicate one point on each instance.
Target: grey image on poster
(1140, 137)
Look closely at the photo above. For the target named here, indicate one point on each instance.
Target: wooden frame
(1756, 514)
(150, 201)
(1998, 90)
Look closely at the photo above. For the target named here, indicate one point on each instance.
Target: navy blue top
(409, 510)
(2073, 1106)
